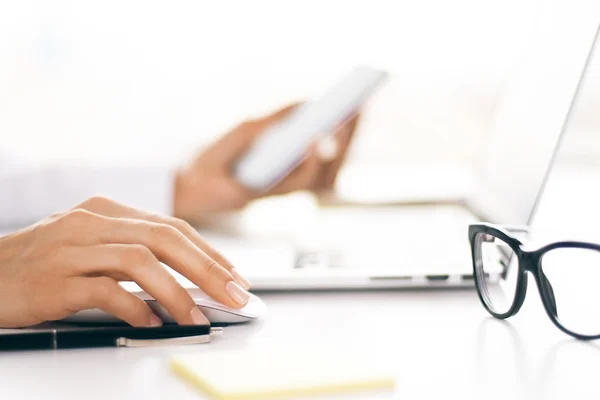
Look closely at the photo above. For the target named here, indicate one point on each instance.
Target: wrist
(189, 199)
(197, 197)
(180, 209)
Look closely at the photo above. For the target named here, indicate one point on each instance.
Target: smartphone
(284, 145)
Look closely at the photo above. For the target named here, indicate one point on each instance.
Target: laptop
(425, 245)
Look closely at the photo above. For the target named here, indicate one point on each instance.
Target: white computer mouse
(214, 311)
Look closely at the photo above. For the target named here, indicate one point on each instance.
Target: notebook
(236, 375)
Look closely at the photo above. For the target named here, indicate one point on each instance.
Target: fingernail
(327, 149)
(198, 318)
(238, 294)
(155, 322)
(240, 279)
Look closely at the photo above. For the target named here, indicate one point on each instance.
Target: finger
(332, 165)
(277, 115)
(109, 208)
(193, 235)
(235, 143)
(106, 294)
(138, 264)
(315, 173)
(327, 148)
(346, 132)
(167, 244)
(303, 177)
(343, 137)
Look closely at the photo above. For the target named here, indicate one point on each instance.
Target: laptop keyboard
(387, 239)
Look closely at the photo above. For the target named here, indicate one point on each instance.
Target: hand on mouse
(207, 186)
(74, 261)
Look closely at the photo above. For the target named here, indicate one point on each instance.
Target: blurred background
(148, 81)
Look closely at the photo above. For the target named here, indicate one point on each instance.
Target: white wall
(138, 80)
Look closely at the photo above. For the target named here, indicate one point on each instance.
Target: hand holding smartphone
(283, 146)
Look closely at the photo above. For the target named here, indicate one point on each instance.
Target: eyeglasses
(567, 275)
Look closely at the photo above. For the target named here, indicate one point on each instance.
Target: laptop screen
(533, 113)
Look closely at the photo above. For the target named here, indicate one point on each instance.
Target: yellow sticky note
(229, 375)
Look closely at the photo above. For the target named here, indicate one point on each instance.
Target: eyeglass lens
(496, 267)
(574, 282)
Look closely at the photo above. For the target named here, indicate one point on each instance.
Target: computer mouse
(214, 311)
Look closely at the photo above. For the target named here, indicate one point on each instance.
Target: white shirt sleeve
(28, 194)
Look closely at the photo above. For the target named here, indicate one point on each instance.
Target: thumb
(277, 115)
(236, 142)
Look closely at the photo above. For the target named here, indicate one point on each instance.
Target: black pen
(69, 336)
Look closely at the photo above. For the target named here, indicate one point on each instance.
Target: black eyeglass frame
(528, 261)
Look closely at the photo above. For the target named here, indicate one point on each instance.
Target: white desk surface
(439, 344)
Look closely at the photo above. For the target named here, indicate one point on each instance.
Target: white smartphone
(283, 146)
